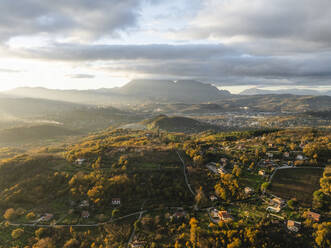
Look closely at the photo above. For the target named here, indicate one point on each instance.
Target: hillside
(31, 111)
(33, 133)
(178, 124)
(257, 91)
(136, 91)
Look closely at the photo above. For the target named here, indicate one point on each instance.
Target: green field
(299, 183)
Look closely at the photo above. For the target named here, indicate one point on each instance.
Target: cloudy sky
(105, 43)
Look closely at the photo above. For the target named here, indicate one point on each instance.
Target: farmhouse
(213, 198)
(293, 226)
(85, 214)
(261, 172)
(278, 201)
(225, 216)
(116, 201)
(248, 190)
(313, 216)
(137, 244)
(273, 209)
(80, 161)
(84, 204)
(46, 217)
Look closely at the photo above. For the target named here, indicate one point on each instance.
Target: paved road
(185, 174)
(134, 230)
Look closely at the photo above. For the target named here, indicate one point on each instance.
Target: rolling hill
(178, 124)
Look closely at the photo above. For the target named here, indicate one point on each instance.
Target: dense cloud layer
(229, 42)
(66, 18)
(272, 26)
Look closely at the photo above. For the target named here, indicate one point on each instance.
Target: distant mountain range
(257, 91)
(136, 91)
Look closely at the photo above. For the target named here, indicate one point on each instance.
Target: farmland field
(299, 183)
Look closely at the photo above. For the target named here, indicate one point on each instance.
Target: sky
(234, 44)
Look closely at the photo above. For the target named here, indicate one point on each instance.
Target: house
(248, 190)
(299, 157)
(293, 226)
(273, 209)
(214, 213)
(286, 154)
(138, 244)
(313, 216)
(212, 168)
(116, 201)
(270, 155)
(261, 172)
(278, 201)
(222, 171)
(179, 215)
(225, 216)
(213, 198)
(80, 161)
(84, 204)
(46, 217)
(85, 214)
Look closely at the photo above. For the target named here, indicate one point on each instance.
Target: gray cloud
(83, 18)
(272, 26)
(209, 62)
(81, 76)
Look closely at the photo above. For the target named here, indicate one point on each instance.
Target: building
(278, 201)
(300, 157)
(222, 171)
(46, 217)
(179, 215)
(224, 216)
(293, 226)
(116, 201)
(213, 198)
(80, 161)
(138, 244)
(261, 172)
(286, 154)
(84, 204)
(85, 214)
(313, 216)
(273, 209)
(248, 190)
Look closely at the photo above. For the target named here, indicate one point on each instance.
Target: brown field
(299, 183)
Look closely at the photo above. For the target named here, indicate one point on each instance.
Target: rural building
(85, 214)
(116, 201)
(248, 190)
(138, 244)
(313, 216)
(286, 154)
(261, 172)
(80, 161)
(300, 157)
(213, 198)
(84, 204)
(225, 216)
(214, 213)
(47, 217)
(222, 171)
(293, 226)
(273, 209)
(278, 201)
(179, 215)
